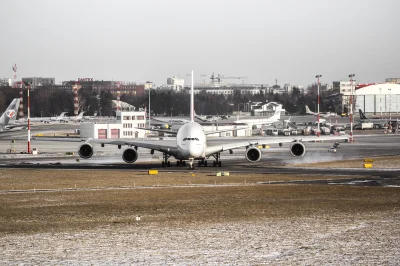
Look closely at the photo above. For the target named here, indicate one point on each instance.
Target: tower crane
(216, 79)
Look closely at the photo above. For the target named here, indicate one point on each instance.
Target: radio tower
(21, 96)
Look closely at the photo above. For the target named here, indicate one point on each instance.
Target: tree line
(51, 101)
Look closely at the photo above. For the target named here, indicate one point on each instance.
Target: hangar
(377, 99)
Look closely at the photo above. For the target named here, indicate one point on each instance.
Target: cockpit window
(197, 139)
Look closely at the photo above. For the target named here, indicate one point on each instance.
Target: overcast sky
(290, 40)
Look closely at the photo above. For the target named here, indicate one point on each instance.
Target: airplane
(378, 122)
(60, 118)
(323, 114)
(8, 118)
(191, 144)
(258, 123)
(210, 118)
(170, 122)
(78, 118)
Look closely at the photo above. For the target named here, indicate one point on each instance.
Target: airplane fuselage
(191, 141)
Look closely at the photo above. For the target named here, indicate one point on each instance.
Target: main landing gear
(165, 161)
(217, 161)
(180, 162)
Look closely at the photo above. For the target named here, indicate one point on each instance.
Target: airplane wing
(271, 140)
(223, 130)
(161, 146)
(172, 132)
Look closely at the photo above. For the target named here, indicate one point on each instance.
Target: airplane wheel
(168, 164)
(214, 163)
(219, 164)
(178, 163)
(162, 164)
(199, 164)
(205, 163)
(184, 163)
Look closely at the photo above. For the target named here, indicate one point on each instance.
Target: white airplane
(60, 118)
(78, 118)
(8, 118)
(321, 114)
(258, 123)
(191, 144)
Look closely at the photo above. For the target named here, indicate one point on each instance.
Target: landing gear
(191, 166)
(180, 162)
(202, 162)
(165, 161)
(217, 161)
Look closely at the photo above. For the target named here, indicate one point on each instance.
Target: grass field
(89, 217)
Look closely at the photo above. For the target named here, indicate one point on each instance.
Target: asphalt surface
(275, 159)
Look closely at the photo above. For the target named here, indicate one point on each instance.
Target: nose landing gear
(190, 162)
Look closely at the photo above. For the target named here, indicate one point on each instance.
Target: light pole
(380, 100)
(351, 76)
(318, 76)
(28, 85)
(390, 105)
(149, 106)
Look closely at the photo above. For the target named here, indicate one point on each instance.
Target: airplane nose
(195, 151)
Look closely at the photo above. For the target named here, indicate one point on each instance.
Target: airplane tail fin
(308, 110)
(192, 101)
(277, 115)
(362, 115)
(10, 114)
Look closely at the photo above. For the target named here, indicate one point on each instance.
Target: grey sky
(155, 39)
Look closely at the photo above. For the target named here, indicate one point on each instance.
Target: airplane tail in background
(276, 115)
(362, 115)
(308, 111)
(10, 114)
(192, 101)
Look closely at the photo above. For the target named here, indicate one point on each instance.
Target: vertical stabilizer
(10, 114)
(192, 101)
(362, 115)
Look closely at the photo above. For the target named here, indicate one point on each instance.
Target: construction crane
(204, 80)
(216, 79)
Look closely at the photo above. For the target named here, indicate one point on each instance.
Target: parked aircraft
(191, 144)
(78, 118)
(321, 114)
(60, 118)
(377, 122)
(8, 118)
(258, 123)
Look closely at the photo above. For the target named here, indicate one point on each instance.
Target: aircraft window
(184, 139)
(197, 139)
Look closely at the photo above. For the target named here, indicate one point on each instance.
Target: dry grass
(88, 179)
(84, 209)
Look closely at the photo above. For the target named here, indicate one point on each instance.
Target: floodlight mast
(319, 131)
(351, 76)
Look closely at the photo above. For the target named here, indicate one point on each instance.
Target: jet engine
(165, 126)
(85, 151)
(130, 155)
(253, 154)
(297, 149)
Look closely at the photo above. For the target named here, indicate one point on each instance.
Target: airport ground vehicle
(364, 125)
(332, 149)
(336, 145)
